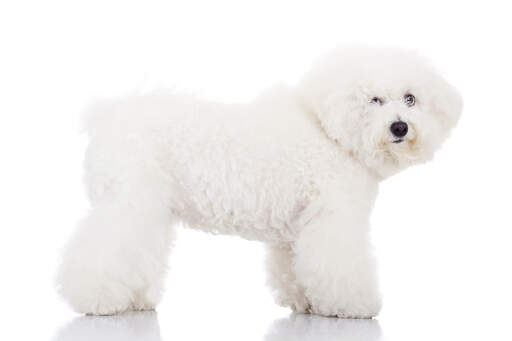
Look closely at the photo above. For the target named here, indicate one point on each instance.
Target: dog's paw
(348, 306)
(357, 307)
(297, 303)
(105, 298)
(290, 295)
(103, 302)
(105, 308)
(146, 299)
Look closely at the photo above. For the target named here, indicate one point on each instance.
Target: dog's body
(297, 168)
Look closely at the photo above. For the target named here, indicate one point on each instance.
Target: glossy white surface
(145, 326)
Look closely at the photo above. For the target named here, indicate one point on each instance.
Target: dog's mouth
(398, 141)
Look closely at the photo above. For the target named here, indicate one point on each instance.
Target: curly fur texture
(298, 168)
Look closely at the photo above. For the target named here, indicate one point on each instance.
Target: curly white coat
(298, 168)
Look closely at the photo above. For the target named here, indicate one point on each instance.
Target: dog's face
(386, 107)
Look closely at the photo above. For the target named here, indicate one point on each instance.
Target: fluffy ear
(446, 102)
(341, 115)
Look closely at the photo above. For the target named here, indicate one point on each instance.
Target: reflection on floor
(300, 327)
(129, 326)
(134, 326)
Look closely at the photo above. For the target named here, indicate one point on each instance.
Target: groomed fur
(297, 168)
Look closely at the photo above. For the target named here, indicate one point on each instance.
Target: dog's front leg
(335, 265)
(281, 278)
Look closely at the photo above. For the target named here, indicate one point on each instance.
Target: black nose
(399, 129)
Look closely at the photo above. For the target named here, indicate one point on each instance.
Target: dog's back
(230, 168)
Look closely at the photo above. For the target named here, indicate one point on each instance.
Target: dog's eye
(376, 100)
(409, 100)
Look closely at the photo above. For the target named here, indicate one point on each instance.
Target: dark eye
(376, 100)
(409, 100)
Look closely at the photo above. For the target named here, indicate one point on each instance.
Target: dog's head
(386, 107)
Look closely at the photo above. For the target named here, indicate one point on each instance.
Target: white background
(442, 230)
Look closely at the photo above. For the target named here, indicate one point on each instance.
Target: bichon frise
(298, 168)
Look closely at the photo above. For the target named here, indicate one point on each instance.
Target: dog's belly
(247, 229)
(240, 192)
(255, 211)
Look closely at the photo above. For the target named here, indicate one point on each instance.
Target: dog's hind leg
(281, 278)
(117, 258)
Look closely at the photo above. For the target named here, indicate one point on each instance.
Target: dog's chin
(392, 155)
(401, 153)
(407, 152)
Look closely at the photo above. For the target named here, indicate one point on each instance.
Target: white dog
(297, 168)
